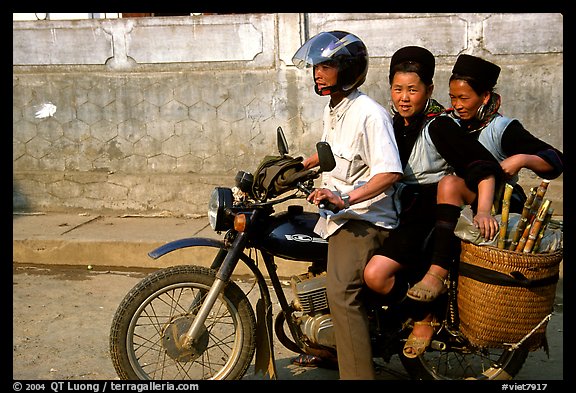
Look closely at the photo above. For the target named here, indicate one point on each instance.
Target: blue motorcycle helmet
(344, 49)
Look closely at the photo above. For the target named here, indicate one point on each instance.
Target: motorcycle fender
(185, 243)
(264, 362)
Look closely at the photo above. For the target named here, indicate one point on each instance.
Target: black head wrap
(483, 71)
(418, 55)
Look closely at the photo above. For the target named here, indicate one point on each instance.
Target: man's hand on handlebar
(326, 199)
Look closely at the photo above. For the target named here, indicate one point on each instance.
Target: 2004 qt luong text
(97, 387)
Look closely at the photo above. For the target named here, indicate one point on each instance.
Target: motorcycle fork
(222, 277)
(216, 263)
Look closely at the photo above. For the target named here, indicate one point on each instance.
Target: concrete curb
(116, 241)
(119, 241)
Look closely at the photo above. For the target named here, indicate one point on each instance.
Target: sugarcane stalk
(505, 214)
(543, 230)
(498, 198)
(523, 222)
(540, 192)
(524, 238)
(536, 226)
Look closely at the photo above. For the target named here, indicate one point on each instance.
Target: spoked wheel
(146, 329)
(466, 363)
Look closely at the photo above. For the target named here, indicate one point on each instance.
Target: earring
(392, 107)
(480, 112)
(427, 105)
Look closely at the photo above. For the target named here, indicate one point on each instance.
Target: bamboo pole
(505, 214)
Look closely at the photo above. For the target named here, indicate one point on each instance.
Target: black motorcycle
(191, 322)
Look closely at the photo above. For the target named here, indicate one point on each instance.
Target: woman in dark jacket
(432, 146)
(476, 105)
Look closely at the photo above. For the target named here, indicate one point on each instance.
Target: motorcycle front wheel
(469, 363)
(158, 310)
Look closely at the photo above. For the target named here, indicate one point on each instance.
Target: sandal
(423, 293)
(415, 346)
(305, 360)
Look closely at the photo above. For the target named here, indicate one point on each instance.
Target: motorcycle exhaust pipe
(438, 345)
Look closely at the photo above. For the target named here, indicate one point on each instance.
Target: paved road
(62, 316)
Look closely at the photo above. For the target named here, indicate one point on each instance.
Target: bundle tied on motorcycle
(496, 282)
(276, 175)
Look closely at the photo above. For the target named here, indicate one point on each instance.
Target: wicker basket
(504, 295)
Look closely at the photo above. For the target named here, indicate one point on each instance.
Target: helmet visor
(322, 48)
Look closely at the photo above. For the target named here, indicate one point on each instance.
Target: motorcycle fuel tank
(291, 236)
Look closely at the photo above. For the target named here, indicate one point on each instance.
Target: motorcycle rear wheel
(161, 308)
(481, 364)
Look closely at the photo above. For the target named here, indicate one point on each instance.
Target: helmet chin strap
(325, 91)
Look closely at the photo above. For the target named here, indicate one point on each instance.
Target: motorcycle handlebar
(323, 205)
(329, 206)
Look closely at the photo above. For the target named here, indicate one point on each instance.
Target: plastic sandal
(415, 346)
(423, 293)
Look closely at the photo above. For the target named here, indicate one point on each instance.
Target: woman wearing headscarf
(431, 146)
(476, 106)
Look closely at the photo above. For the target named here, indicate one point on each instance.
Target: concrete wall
(149, 114)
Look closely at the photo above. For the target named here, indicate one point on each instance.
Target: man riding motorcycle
(360, 132)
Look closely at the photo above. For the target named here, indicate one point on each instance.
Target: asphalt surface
(62, 317)
(70, 272)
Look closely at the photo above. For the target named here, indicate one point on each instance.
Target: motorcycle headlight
(220, 199)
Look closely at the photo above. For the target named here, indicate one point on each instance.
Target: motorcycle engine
(311, 300)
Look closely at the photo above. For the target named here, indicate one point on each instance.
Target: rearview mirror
(325, 156)
(282, 143)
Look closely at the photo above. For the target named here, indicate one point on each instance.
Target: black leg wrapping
(446, 243)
